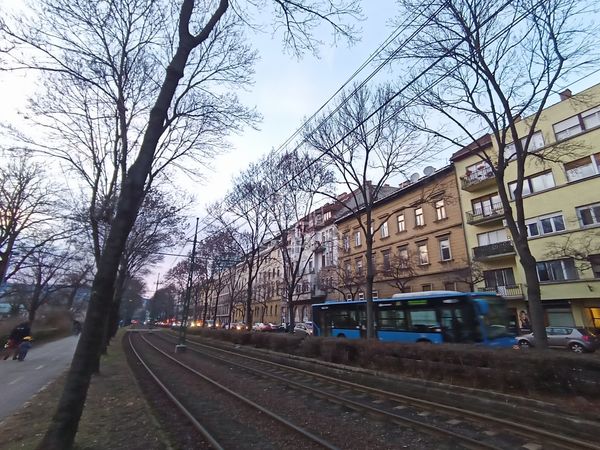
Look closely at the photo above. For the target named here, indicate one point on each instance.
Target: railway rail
(478, 430)
(211, 437)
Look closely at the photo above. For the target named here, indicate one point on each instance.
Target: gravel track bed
(337, 424)
(232, 423)
(182, 435)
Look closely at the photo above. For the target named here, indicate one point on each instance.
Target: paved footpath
(20, 380)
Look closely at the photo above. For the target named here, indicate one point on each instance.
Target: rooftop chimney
(565, 94)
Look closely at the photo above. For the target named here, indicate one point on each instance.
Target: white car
(305, 328)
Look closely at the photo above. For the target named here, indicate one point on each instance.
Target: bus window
(424, 321)
(391, 319)
(344, 319)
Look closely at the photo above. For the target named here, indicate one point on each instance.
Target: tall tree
(368, 143)
(27, 204)
(295, 179)
(191, 31)
(482, 66)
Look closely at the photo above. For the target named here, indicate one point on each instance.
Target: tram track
(529, 435)
(213, 439)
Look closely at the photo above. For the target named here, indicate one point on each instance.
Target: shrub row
(503, 370)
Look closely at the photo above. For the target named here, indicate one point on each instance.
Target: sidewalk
(44, 363)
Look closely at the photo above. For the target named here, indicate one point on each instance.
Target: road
(44, 363)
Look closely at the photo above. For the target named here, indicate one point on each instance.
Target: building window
(357, 239)
(423, 254)
(401, 224)
(359, 267)
(540, 226)
(557, 270)
(595, 265)
(486, 205)
(327, 215)
(445, 253)
(427, 287)
(440, 210)
(589, 215)
(311, 266)
(346, 242)
(419, 218)
(450, 286)
(374, 295)
(537, 141)
(348, 296)
(385, 232)
(560, 317)
(386, 259)
(347, 269)
(567, 128)
(492, 237)
(403, 256)
(533, 184)
(583, 167)
(499, 277)
(361, 295)
(577, 124)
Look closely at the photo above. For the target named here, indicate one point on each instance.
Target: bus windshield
(496, 320)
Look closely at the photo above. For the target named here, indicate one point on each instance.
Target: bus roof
(414, 295)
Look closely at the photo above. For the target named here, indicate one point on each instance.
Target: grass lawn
(115, 416)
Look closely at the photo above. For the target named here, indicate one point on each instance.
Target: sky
(286, 90)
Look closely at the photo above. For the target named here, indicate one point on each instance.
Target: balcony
(487, 215)
(477, 179)
(497, 250)
(512, 291)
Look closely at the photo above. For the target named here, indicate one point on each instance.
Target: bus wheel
(423, 341)
(341, 335)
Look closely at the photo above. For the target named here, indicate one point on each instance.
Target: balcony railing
(493, 250)
(477, 179)
(511, 291)
(496, 212)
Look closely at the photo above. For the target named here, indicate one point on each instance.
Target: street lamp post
(181, 346)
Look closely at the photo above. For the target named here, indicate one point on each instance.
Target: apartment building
(562, 207)
(419, 243)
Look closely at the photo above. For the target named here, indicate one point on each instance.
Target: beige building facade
(419, 243)
(562, 209)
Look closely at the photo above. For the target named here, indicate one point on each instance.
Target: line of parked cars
(578, 340)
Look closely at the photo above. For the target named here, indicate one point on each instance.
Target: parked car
(577, 340)
(305, 328)
(239, 326)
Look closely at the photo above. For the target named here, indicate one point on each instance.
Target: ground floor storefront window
(560, 317)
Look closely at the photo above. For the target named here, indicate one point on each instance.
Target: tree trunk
(205, 309)
(63, 426)
(369, 279)
(249, 300)
(534, 298)
(31, 314)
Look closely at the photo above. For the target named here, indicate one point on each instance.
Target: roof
(483, 141)
(396, 192)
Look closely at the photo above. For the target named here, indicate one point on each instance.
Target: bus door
(452, 323)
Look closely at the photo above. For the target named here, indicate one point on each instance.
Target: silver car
(578, 340)
(304, 328)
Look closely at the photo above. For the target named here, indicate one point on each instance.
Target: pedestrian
(24, 347)
(15, 338)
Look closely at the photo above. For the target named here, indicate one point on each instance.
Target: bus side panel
(409, 336)
(349, 333)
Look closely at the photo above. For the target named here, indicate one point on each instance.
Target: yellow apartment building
(562, 208)
(419, 243)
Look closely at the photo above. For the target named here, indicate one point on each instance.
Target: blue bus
(431, 317)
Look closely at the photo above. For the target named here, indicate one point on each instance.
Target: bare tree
(162, 303)
(41, 276)
(401, 269)
(480, 63)
(192, 31)
(582, 248)
(342, 279)
(366, 140)
(27, 204)
(246, 204)
(295, 179)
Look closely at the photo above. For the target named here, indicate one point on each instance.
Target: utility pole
(181, 347)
